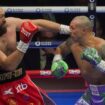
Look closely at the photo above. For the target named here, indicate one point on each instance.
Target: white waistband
(97, 89)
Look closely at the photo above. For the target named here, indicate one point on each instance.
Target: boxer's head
(80, 26)
(3, 27)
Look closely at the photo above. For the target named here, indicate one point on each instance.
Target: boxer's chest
(8, 43)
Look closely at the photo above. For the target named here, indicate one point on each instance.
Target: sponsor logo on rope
(45, 72)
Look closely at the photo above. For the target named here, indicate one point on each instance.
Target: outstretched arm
(42, 25)
(52, 26)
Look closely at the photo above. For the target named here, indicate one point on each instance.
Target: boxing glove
(91, 55)
(27, 31)
(59, 67)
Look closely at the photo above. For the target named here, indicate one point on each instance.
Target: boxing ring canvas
(65, 98)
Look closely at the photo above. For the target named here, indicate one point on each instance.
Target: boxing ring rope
(51, 9)
(48, 74)
(72, 73)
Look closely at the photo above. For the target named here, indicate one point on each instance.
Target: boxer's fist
(59, 67)
(27, 31)
(91, 55)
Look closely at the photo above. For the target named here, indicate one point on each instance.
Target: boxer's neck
(87, 40)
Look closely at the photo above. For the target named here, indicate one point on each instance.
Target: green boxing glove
(59, 67)
(91, 55)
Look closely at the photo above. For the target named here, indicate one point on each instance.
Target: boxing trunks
(20, 90)
(94, 95)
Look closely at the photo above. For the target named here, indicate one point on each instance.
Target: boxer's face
(76, 32)
(3, 28)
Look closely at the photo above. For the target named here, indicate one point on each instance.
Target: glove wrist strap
(101, 66)
(64, 29)
(57, 57)
(22, 46)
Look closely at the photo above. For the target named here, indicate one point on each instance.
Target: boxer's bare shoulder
(13, 22)
(102, 51)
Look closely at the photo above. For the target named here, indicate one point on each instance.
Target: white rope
(46, 9)
(100, 9)
(51, 9)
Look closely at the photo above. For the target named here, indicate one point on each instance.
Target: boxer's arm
(16, 22)
(42, 25)
(59, 66)
(52, 26)
(65, 47)
(10, 63)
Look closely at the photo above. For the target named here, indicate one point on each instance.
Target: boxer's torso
(89, 72)
(7, 46)
(8, 40)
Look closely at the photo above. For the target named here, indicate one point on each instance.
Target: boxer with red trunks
(16, 88)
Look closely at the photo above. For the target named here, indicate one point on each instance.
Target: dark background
(49, 2)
